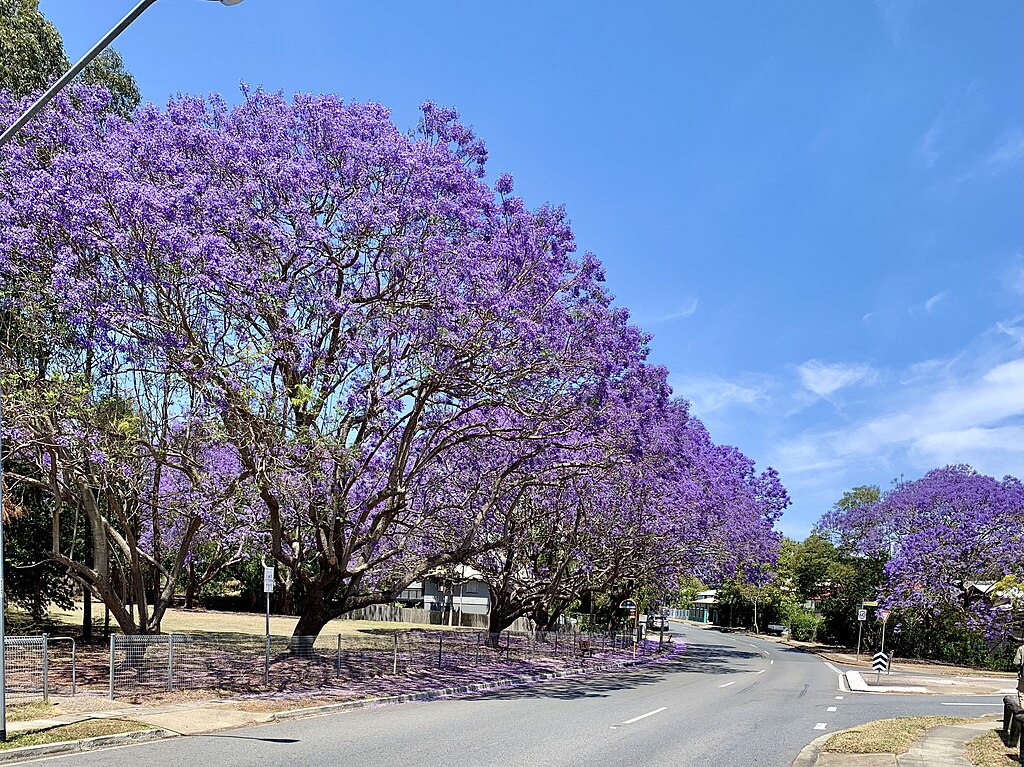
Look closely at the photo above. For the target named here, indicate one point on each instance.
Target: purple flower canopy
(949, 537)
(332, 339)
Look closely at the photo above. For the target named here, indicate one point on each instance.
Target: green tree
(33, 58)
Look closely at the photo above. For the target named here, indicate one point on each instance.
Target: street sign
(870, 604)
(880, 662)
(627, 604)
(883, 615)
(268, 580)
(862, 615)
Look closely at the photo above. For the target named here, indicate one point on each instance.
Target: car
(656, 622)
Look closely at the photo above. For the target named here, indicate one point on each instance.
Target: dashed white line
(820, 726)
(726, 684)
(839, 697)
(771, 663)
(990, 705)
(644, 716)
(761, 671)
(831, 708)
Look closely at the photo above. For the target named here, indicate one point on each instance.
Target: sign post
(883, 615)
(862, 615)
(268, 589)
(629, 604)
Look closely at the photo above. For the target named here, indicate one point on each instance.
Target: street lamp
(7, 135)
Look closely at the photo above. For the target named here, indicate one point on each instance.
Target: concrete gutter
(78, 746)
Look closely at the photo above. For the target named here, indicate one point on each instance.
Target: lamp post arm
(72, 73)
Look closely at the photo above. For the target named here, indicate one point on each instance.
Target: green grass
(889, 736)
(989, 751)
(78, 731)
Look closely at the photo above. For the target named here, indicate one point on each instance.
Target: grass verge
(889, 736)
(92, 728)
(989, 751)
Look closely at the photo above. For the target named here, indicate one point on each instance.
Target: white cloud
(711, 393)
(894, 14)
(824, 379)
(1009, 152)
(686, 309)
(946, 131)
(974, 421)
(934, 301)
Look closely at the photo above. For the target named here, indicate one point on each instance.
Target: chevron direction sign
(880, 661)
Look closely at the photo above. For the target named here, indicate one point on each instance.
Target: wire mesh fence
(240, 663)
(38, 666)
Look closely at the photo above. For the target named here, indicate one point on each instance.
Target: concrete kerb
(157, 733)
(78, 746)
(857, 684)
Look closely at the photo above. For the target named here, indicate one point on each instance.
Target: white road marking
(726, 684)
(831, 708)
(820, 726)
(990, 705)
(839, 697)
(761, 671)
(771, 663)
(644, 716)
(767, 653)
(834, 669)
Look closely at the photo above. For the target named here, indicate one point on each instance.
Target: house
(458, 591)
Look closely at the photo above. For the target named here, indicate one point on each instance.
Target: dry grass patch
(92, 728)
(989, 751)
(177, 621)
(889, 736)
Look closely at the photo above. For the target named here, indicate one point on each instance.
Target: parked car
(657, 622)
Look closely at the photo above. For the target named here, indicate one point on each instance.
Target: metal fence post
(112, 637)
(170, 662)
(394, 662)
(46, 669)
(337, 662)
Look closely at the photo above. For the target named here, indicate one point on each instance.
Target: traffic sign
(268, 580)
(883, 615)
(627, 604)
(862, 615)
(880, 662)
(869, 604)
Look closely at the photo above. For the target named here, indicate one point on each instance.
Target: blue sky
(816, 208)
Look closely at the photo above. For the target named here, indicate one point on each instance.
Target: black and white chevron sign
(880, 661)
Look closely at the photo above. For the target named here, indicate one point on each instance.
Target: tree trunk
(190, 586)
(86, 614)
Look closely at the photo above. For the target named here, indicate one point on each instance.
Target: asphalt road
(728, 700)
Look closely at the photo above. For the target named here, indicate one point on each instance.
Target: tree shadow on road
(700, 659)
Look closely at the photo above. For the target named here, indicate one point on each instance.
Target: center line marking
(831, 708)
(726, 684)
(839, 697)
(644, 716)
(771, 663)
(820, 726)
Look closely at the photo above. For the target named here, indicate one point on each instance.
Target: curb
(86, 744)
(857, 684)
(808, 756)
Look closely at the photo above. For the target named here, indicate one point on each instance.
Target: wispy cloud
(894, 15)
(977, 420)
(684, 310)
(1007, 153)
(711, 393)
(824, 379)
(947, 128)
(931, 303)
